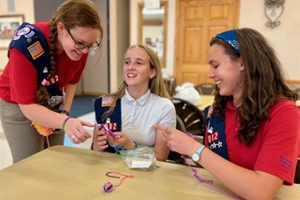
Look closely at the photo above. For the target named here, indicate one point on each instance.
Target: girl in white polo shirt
(141, 102)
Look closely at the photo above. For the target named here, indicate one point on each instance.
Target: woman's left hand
(178, 141)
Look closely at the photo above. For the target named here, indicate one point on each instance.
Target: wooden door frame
(140, 29)
(176, 51)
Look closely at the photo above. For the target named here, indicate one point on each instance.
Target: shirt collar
(140, 101)
(230, 106)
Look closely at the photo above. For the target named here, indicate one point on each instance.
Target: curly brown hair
(72, 13)
(263, 82)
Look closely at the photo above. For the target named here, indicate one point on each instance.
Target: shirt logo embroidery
(213, 139)
(285, 163)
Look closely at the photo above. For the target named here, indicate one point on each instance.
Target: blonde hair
(156, 84)
(72, 13)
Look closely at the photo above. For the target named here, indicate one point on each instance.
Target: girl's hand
(75, 130)
(178, 141)
(123, 140)
(99, 139)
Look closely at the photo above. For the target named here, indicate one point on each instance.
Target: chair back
(170, 84)
(205, 88)
(191, 116)
(297, 90)
(179, 124)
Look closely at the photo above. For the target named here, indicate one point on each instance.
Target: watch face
(195, 157)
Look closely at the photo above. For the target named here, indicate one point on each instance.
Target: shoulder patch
(23, 31)
(36, 50)
(107, 101)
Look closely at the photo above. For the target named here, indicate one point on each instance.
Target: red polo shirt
(276, 145)
(18, 83)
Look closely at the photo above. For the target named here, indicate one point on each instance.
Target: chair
(170, 84)
(175, 157)
(205, 88)
(192, 118)
(297, 90)
(179, 124)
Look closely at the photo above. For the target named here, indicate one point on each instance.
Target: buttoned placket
(133, 114)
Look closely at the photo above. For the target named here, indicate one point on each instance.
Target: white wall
(113, 46)
(118, 34)
(170, 31)
(21, 7)
(95, 75)
(285, 39)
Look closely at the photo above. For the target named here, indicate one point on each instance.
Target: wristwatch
(197, 155)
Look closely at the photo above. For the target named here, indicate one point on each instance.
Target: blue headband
(230, 37)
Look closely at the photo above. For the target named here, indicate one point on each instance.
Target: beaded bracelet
(64, 123)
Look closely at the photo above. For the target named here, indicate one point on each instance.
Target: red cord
(125, 176)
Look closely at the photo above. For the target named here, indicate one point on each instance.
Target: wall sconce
(273, 11)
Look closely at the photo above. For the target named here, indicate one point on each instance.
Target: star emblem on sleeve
(216, 145)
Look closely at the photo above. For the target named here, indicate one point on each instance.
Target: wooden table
(71, 173)
(206, 100)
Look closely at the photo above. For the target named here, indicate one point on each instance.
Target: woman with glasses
(46, 61)
(141, 101)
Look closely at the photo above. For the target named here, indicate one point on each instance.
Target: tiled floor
(5, 155)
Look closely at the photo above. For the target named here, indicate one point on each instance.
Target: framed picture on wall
(8, 25)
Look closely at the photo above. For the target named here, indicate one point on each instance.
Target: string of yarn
(108, 186)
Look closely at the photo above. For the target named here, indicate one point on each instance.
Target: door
(198, 21)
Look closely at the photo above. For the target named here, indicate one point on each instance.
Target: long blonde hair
(156, 84)
(72, 13)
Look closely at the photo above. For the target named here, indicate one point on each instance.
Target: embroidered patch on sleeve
(107, 101)
(36, 50)
(285, 163)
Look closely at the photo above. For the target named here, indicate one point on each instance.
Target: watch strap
(200, 149)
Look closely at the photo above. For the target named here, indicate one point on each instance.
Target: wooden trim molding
(296, 82)
(152, 23)
(142, 22)
(293, 84)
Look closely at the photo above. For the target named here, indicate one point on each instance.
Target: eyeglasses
(82, 46)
